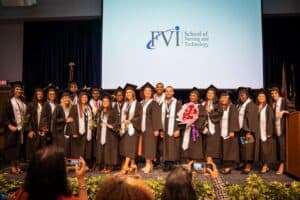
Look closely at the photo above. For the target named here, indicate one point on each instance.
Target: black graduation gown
(153, 123)
(230, 146)
(195, 148)
(250, 151)
(267, 148)
(281, 140)
(14, 150)
(46, 120)
(171, 145)
(108, 153)
(61, 130)
(129, 144)
(212, 142)
(80, 146)
(38, 141)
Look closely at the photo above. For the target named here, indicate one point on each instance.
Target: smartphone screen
(71, 163)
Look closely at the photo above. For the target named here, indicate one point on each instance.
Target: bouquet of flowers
(188, 114)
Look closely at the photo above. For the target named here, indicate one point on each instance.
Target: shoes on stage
(246, 171)
(279, 173)
(124, 171)
(241, 166)
(226, 171)
(132, 169)
(264, 170)
(148, 169)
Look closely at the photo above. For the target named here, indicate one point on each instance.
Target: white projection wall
(183, 43)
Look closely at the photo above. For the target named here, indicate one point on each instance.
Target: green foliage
(252, 188)
(156, 185)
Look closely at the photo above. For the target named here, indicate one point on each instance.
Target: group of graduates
(109, 130)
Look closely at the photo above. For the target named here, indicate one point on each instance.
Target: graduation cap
(119, 89)
(130, 86)
(211, 88)
(195, 91)
(261, 91)
(65, 93)
(16, 84)
(106, 95)
(226, 93)
(38, 89)
(148, 85)
(83, 91)
(95, 89)
(71, 83)
(243, 90)
(275, 87)
(51, 87)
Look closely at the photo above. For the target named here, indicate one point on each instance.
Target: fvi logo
(166, 36)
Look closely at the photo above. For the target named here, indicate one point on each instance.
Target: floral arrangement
(252, 188)
(188, 113)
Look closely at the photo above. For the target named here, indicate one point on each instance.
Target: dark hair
(179, 185)
(46, 176)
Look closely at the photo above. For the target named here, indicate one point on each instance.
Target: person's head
(83, 98)
(211, 93)
(124, 188)
(169, 92)
(95, 94)
(224, 98)
(66, 98)
(261, 98)
(46, 176)
(275, 93)
(159, 89)
(38, 95)
(72, 86)
(130, 92)
(194, 95)
(17, 89)
(147, 91)
(119, 96)
(51, 94)
(106, 102)
(243, 94)
(179, 185)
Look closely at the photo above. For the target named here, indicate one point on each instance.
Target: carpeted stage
(234, 178)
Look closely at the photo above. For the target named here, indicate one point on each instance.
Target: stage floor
(233, 178)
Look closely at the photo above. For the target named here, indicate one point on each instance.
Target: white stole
(211, 126)
(19, 110)
(67, 112)
(160, 99)
(224, 122)
(263, 123)
(242, 112)
(103, 128)
(145, 106)
(130, 117)
(171, 115)
(186, 137)
(75, 100)
(82, 125)
(278, 119)
(39, 111)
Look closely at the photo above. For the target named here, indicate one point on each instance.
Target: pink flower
(188, 113)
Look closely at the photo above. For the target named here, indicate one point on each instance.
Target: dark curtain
(281, 37)
(49, 47)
